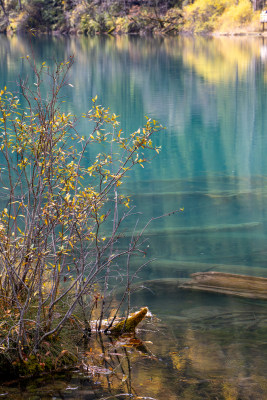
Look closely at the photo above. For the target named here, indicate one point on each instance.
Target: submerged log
(129, 324)
(231, 284)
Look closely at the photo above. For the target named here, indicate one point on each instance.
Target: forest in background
(130, 16)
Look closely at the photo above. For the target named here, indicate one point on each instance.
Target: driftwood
(129, 324)
(231, 284)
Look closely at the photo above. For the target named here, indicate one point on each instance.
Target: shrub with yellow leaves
(61, 217)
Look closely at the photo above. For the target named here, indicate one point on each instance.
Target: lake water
(211, 94)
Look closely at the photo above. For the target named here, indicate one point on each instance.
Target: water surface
(211, 96)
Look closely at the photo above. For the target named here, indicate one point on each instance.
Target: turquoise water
(211, 96)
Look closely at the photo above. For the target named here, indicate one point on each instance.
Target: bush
(45, 15)
(101, 23)
(82, 10)
(236, 15)
(61, 217)
(173, 20)
(202, 15)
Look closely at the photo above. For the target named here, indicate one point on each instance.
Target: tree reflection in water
(208, 346)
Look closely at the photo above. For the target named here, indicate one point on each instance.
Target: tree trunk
(3, 7)
(258, 4)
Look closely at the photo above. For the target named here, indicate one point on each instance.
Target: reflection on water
(211, 96)
(205, 346)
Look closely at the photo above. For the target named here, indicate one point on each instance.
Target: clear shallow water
(211, 96)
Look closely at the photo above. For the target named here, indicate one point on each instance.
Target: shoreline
(141, 34)
(196, 19)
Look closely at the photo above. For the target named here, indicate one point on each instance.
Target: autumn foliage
(61, 212)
